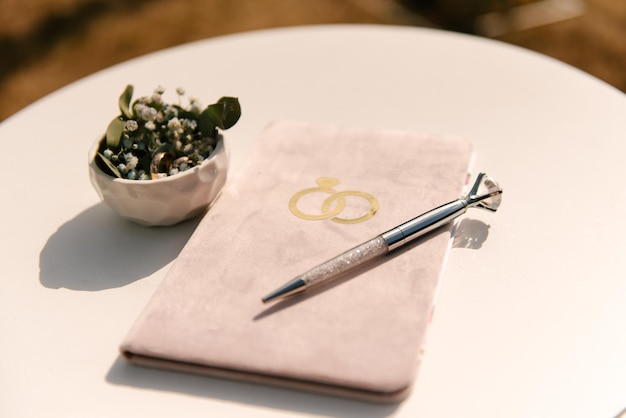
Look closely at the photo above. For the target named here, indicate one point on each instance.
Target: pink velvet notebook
(307, 193)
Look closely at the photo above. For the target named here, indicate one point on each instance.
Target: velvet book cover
(307, 193)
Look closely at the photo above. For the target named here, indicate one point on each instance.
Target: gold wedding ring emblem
(336, 203)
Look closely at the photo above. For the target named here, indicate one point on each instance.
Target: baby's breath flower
(108, 153)
(156, 98)
(131, 161)
(170, 112)
(195, 106)
(150, 125)
(139, 106)
(190, 124)
(180, 91)
(148, 113)
(175, 126)
(132, 125)
(132, 175)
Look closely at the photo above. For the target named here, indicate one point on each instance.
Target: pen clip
(490, 199)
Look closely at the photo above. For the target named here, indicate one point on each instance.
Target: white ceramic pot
(164, 201)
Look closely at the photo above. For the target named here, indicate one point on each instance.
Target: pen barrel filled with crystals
(346, 262)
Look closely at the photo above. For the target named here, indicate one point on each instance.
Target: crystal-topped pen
(396, 237)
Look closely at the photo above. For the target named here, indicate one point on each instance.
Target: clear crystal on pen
(494, 201)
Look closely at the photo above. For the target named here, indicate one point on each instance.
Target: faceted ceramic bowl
(164, 201)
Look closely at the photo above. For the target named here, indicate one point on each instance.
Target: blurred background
(46, 44)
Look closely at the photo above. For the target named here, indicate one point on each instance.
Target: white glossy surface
(531, 324)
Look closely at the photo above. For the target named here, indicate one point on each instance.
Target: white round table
(529, 323)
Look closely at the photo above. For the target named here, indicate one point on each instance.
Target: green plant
(151, 139)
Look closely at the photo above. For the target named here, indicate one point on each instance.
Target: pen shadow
(124, 374)
(469, 233)
(99, 250)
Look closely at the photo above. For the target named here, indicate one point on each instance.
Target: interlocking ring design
(334, 204)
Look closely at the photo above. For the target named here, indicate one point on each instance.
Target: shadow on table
(471, 234)
(98, 250)
(124, 374)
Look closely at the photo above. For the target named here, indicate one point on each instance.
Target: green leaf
(107, 166)
(223, 114)
(210, 118)
(124, 101)
(231, 113)
(114, 132)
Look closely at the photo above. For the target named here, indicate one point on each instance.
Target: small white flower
(170, 112)
(195, 106)
(122, 168)
(131, 161)
(191, 124)
(148, 113)
(108, 153)
(175, 126)
(173, 171)
(132, 125)
(150, 125)
(139, 107)
(132, 175)
(188, 149)
(156, 98)
(180, 91)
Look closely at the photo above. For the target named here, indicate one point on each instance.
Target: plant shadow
(98, 250)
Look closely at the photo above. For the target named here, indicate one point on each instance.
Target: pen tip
(294, 286)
